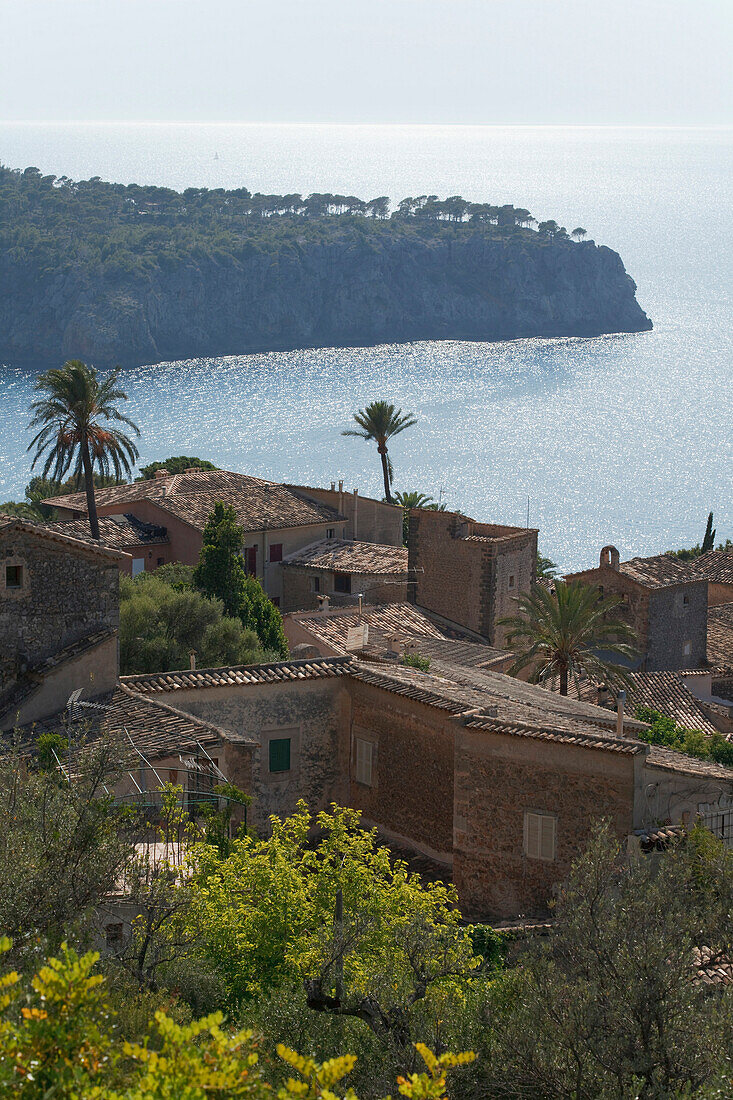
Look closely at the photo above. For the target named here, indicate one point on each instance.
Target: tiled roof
(720, 634)
(118, 531)
(453, 651)
(162, 683)
(32, 679)
(351, 557)
(662, 757)
(667, 693)
(717, 567)
(565, 737)
(656, 572)
(80, 542)
(191, 497)
(332, 627)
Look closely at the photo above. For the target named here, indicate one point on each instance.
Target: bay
(623, 439)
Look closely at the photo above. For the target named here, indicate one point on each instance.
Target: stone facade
(469, 573)
(68, 591)
(302, 586)
(367, 519)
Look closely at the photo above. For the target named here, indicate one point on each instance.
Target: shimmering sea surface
(624, 439)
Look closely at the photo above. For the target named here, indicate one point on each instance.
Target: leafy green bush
(414, 660)
(663, 730)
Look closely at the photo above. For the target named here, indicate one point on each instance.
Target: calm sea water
(624, 439)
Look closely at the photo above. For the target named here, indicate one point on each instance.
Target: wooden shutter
(280, 754)
(539, 835)
(364, 761)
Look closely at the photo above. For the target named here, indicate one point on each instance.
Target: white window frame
(363, 761)
(540, 835)
(138, 566)
(687, 649)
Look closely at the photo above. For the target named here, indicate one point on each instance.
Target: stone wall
(470, 573)
(497, 779)
(367, 519)
(678, 618)
(411, 797)
(719, 594)
(67, 594)
(312, 713)
(298, 589)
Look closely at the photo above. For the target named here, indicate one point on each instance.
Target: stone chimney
(194, 470)
(161, 473)
(610, 557)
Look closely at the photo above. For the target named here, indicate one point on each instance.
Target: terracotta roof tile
(351, 557)
(717, 567)
(656, 572)
(720, 634)
(667, 693)
(662, 757)
(161, 683)
(565, 737)
(191, 497)
(119, 532)
(73, 541)
(332, 627)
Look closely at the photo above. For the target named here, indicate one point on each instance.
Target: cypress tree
(708, 542)
(220, 573)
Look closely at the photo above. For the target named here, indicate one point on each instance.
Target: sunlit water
(623, 439)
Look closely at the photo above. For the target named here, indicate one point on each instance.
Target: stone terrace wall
(498, 778)
(67, 595)
(411, 797)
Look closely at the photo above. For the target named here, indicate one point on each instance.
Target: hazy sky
(490, 61)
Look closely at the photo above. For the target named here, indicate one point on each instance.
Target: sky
(625, 62)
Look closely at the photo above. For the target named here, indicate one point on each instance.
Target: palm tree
(564, 632)
(413, 499)
(70, 415)
(379, 422)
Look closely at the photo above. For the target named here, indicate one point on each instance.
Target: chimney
(620, 703)
(610, 557)
(161, 473)
(333, 486)
(341, 498)
(603, 696)
(192, 660)
(194, 470)
(356, 514)
(323, 602)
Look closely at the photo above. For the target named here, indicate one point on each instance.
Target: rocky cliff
(85, 273)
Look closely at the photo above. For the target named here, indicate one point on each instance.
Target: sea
(624, 439)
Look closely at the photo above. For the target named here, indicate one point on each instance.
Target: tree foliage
(175, 465)
(568, 633)
(663, 730)
(162, 623)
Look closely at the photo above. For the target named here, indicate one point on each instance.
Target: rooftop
(351, 557)
(720, 634)
(658, 571)
(662, 757)
(717, 567)
(119, 531)
(667, 693)
(82, 542)
(331, 627)
(191, 497)
(163, 683)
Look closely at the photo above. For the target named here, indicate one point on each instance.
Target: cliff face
(347, 292)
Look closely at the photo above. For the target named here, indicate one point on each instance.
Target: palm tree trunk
(563, 679)
(89, 483)
(385, 473)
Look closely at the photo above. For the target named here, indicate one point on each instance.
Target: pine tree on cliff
(379, 422)
(74, 416)
(562, 634)
(708, 543)
(220, 574)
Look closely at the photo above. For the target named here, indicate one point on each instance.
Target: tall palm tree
(379, 422)
(413, 499)
(568, 632)
(71, 415)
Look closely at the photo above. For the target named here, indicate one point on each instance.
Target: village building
(665, 605)
(345, 572)
(471, 574)
(277, 519)
(716, 567)
(720, 635)
(59, 614)
(145, 545)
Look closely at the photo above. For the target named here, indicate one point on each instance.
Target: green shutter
(280, 754)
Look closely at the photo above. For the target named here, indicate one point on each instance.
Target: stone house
(496, 781)
(720, 635)
(145, 545)
(277, 519)
(343, 571)
(59, 614)
(469, 573)
(716, 568)
(666, 606)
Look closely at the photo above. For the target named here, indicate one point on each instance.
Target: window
(511, 581)
(364, 753)
(342, 582)
(280, 754)
(600, 591)
(113, 936)
(720, 823)
(687, 649)
(250, 560)
(13, 576)
(316, 584)
(138, 566)
(330, 532)
(276, 551)
(685, 600)
(161, 561)
(275, 600)
(540, 833)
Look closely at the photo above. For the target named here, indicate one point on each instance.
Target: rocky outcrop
(364, 287)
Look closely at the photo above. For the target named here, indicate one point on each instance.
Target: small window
(687, 649)
(316, 584)
(161, 561)
(275, 600)
(276, 552)
(364, 753)
(113, 936)
(540, 836)
(685, 600)
(280, 754)
(511, 581)
(13, 576)
(600, 591)
(342, 582)
(330, 532)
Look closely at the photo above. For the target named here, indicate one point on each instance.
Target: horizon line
(365, 125)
